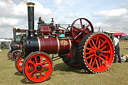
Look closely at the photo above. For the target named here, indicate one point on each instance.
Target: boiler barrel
(54, 45)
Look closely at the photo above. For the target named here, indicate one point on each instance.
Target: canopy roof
(119, 33)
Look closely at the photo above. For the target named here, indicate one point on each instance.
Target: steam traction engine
(78, 46)
(16, 45)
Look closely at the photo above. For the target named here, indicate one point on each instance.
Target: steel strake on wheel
(98, 52)
(37, 67)
(85, 28)
(19, 62)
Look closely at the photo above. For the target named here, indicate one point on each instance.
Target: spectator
(117, 50)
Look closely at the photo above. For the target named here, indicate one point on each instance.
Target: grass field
(64, 75)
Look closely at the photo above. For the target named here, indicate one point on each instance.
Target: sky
(109, 15)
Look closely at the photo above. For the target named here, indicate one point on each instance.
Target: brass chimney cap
(30, 4)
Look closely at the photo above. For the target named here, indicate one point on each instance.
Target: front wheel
(37, 67)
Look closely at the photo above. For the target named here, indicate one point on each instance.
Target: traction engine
(78, 46)
(15, 45)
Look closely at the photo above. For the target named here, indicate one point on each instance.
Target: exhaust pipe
(31, 32)
(14, 34)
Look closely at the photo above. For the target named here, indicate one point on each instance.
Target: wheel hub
(98, 52)
(39, 67)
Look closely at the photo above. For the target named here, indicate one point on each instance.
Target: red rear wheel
(15, 53)
(97, 52)
(37, 67)
(19, 62)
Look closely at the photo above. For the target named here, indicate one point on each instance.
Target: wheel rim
(38, 67)
(14, 54)
(20, 61)
(79, 32)
(99, 53)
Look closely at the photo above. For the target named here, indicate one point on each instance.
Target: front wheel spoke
(31, 72)
(47, 66)
(35, 75)
(44, 62)
(31, 62)
(36, 60)
(40, 75)
(45, 72)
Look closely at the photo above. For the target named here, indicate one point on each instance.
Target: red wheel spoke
(20, 62)
(35, 75)
(36, 61)
(103, 44)
(20, 66)
(90, 61)
(90, 44)
(41, 58)
(103, 48)
(93, 43)
(106, 57)
(31, 62)
(44, 62)
(46, 67)
(99, 61)
(81, 23)
(94, 62)
(77, 35)
(106, 51)
(90, 52)
(88, 48)
(99, 44)
(97, 64)
(41, 75)
(45, 71)
(97, 41)
(89, 56)
(102, 59)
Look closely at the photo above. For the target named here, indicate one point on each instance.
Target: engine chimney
(14, 34)
(31, 32)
